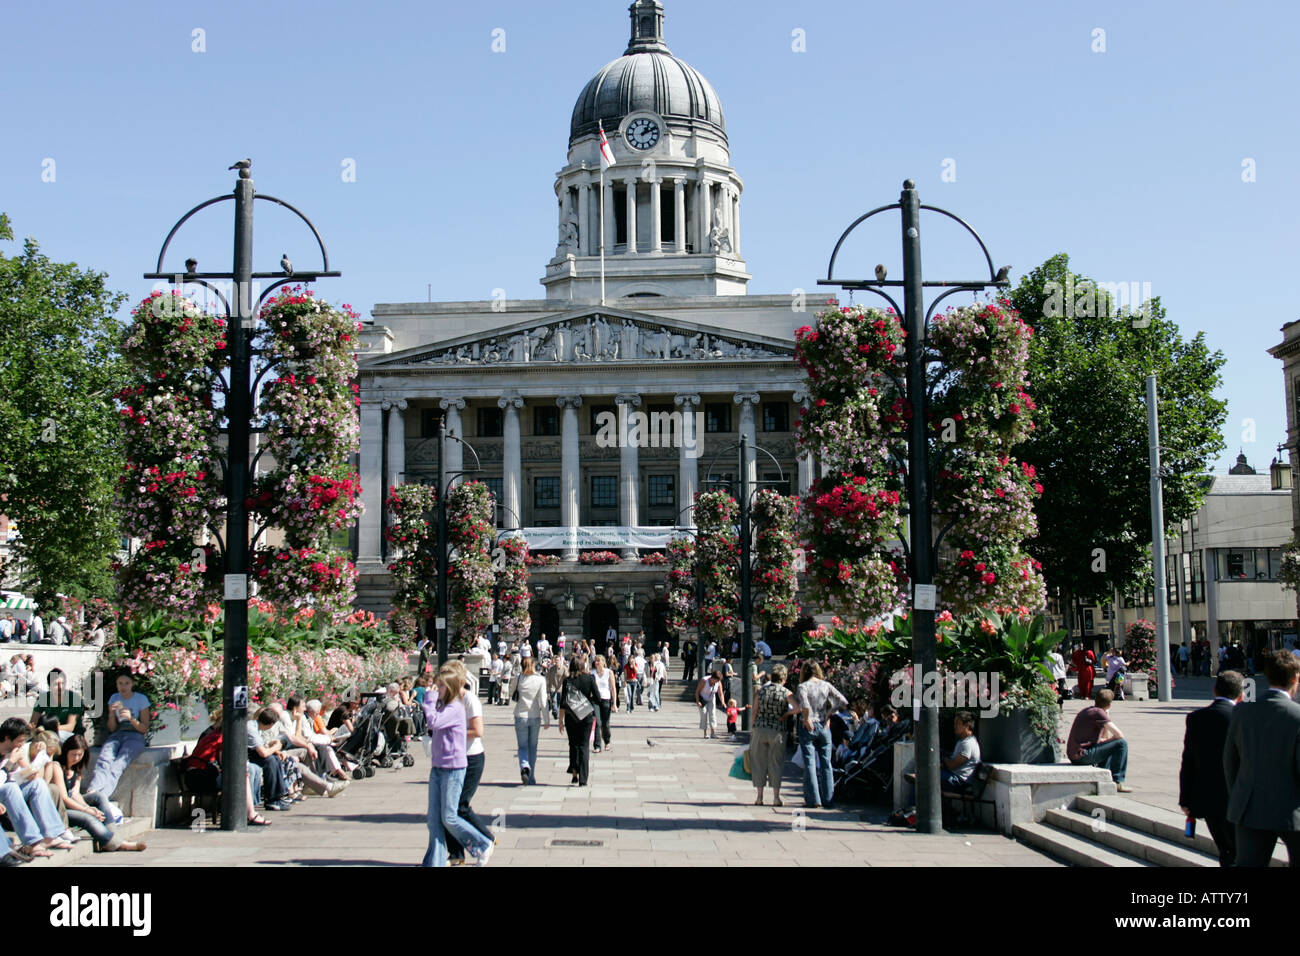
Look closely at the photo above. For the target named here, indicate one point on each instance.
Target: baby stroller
(871, 764)
(371, 744)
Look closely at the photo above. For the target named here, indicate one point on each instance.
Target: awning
(17, 604)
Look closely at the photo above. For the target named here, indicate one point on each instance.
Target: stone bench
(140, 792)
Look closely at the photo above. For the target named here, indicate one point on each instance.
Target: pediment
(593, 335)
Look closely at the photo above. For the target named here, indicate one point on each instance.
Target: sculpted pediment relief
(591, 336)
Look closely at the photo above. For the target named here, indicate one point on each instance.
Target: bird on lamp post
(286, 265)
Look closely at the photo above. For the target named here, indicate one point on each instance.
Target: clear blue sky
(1129, 160)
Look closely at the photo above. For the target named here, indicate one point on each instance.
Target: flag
(606, 152)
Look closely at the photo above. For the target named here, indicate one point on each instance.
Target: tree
(1088, 364)
(59, 369)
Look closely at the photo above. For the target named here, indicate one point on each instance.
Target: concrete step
(1123, 839)
(1072, 849)
(1159, 822)
(131, 829)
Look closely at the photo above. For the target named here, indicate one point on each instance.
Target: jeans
(119, 751)
(654, 695)
(526, 731)
(31, 810)
(473, 774)
(602, 719)
(630, 693)
(818, 782)
(1112, 756)
(100, 833)
(444, 798)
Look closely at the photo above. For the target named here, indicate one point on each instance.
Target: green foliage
(1088, 369)
(59, 370)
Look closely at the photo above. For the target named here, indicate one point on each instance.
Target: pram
(870, 764)
(376, 738)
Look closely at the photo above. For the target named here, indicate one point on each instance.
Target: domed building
(646, 315)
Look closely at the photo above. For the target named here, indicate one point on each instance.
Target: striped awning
(17, 604)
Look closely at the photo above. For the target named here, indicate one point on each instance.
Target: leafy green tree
(1087, 370)
(59, 374)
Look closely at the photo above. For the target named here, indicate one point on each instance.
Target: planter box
(1136, 686)
(1008, 738)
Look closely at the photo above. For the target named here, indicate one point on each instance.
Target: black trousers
(688, 668)
(605, 708)
(473, 774)
(1225, 838)
(579, 732)
(1255, 847)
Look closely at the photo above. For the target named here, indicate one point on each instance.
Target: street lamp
(241, 310)
(929, 805)
(1280, 471)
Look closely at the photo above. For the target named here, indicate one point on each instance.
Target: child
(733, 716)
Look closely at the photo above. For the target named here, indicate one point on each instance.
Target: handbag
(577, 705)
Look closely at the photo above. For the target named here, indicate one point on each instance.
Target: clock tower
(671, 200)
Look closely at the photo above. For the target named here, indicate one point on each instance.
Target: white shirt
(1058, 666)
(496, 669)
(37, 629)
(532, 698)
(602, 683)
(543, 648)
(661, 672)
(6, 628)
(473, 708)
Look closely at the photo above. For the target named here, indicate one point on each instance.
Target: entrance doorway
(654, 621)
(597, 619)
(545, 620)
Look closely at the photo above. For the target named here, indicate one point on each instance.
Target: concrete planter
(1009, 738)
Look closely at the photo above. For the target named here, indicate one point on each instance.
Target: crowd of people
(59, 631)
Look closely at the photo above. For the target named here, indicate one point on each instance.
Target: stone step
(131, 829)
(1135, 843)
(1072, 849)
(1165, 824)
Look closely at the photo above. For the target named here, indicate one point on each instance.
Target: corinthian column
(629, 483)
(511, 464)
(688, 459)
(656, 217)
(584, 220)
(630, 182)
(679, 213)
(396, 442)
(372, 491)
(569, 469)
(805, 458)
(747, 401)
(454, 456)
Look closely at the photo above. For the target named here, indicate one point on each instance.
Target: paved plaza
(661, 797)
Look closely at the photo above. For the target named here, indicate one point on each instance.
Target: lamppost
(929, 806)
(241, 310)
(746, 564)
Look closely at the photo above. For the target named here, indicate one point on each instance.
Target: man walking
(1202, 791)
(1261, 763)
(1096, 742)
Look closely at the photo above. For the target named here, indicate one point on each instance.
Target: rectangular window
(717, 417)
(1237, 564)
(718, 481)
(620, 214)
(663, 490)
(604, 491)
(667, 214)
(1171, 583)
(494, 486)
(1198, 578)
(429, 418)
(546, 420)
(664, 522)
(546, 492)
(490, 423)
(776, 417)
(773, 481)
(604, 523)
(597, 411)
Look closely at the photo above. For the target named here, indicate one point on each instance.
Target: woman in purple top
(445, 717)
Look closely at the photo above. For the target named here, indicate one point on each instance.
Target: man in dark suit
(1202, 791)
(1261, 762)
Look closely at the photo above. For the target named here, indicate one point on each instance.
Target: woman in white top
(475, 758)
(507, 671)
(531, 711)
(606, 687)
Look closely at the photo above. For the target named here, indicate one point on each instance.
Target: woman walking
(774, 703)
(607, 690)
(708, 695)
(578, 704)
(816, 700)
(445, 717)
(530, 711)
(474, 760)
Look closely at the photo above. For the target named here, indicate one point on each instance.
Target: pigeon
(286, 265)
(649, 742)
(242, 164)
(881, 272)
(191, 266)
(1003, 274)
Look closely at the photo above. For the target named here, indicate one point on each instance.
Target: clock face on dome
(642, 133)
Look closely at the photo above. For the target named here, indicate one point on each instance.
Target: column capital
(449, 403)
(397, 403)
(510, 401)
(569, 401)
(800, 396)
(688, 399)
(741, 398)
(631, 180)
(628, 398)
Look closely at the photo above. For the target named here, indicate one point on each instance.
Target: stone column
(735, 221)
(372, 491)
(454, 456)
(688, 461)
(629, 472)
(584, 220)
(679, 214)
(512, 469)
(656, 217)
(630, 183)
(805, 459)
(611, 225)
(569, 465)
(396, 443)
(705, 215)
(747, 401)
(1208, 556)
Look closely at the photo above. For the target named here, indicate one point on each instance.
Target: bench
(175, 788)
(972, 794)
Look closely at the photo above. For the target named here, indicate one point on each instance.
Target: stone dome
(647, 77)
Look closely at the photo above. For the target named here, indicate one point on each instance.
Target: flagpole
(602, 233)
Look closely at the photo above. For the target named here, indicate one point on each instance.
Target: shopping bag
(738, 768)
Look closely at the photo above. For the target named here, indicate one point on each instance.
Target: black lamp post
(241, 312)
(921, 545)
